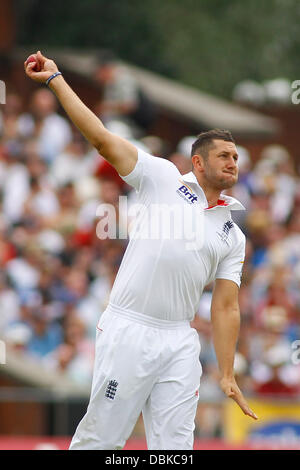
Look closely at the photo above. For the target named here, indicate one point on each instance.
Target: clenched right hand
(48, 68)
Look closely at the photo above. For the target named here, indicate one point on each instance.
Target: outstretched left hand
(231, 389)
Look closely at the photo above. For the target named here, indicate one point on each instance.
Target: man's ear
(198, 162)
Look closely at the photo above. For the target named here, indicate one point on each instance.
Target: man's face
(220, 167)
(43, 103)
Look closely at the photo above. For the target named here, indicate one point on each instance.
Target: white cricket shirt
(164, 278)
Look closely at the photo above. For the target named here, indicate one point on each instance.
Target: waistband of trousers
(146, 319)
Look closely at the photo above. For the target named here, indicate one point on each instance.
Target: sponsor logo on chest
(187, 193)
(226, 231)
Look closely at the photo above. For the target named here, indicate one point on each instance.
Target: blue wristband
(52, 76)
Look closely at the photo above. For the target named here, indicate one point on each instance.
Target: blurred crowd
(56, 274)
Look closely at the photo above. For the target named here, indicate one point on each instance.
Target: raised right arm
(117, 151)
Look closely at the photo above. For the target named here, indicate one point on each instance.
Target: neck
(212, 194)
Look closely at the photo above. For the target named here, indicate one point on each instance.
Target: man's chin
(229, 185)
(226, 184)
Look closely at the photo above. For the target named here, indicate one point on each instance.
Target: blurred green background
(210, 44)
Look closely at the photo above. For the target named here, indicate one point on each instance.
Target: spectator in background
(74, 163)
(9, 303)
(243, 189)
(66, 219)
(14, 182)
(257, 223)
(41, 201)
(9, 118)
(46, 335)
(122, 98)
(52, 131)
(23, 271)
(182, 157)
(277, 304)
(278, 377)
(74, 356)
(156, 145)
(7, 248)
(274, 175)
(119, 89)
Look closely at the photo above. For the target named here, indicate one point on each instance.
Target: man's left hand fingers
(240, 400)
(245, 408)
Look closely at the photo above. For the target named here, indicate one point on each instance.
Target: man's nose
(231, 163)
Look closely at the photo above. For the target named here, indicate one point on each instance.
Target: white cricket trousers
(142, 365)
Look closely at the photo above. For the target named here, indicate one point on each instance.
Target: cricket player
(147, 355)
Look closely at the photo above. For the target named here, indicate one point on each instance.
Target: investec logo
(186, 193)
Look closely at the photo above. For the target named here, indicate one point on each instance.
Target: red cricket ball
(33, 58)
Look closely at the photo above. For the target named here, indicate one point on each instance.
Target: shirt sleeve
(231, 266)
(149, 169)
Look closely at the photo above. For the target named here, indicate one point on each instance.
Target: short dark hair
(204, 142)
